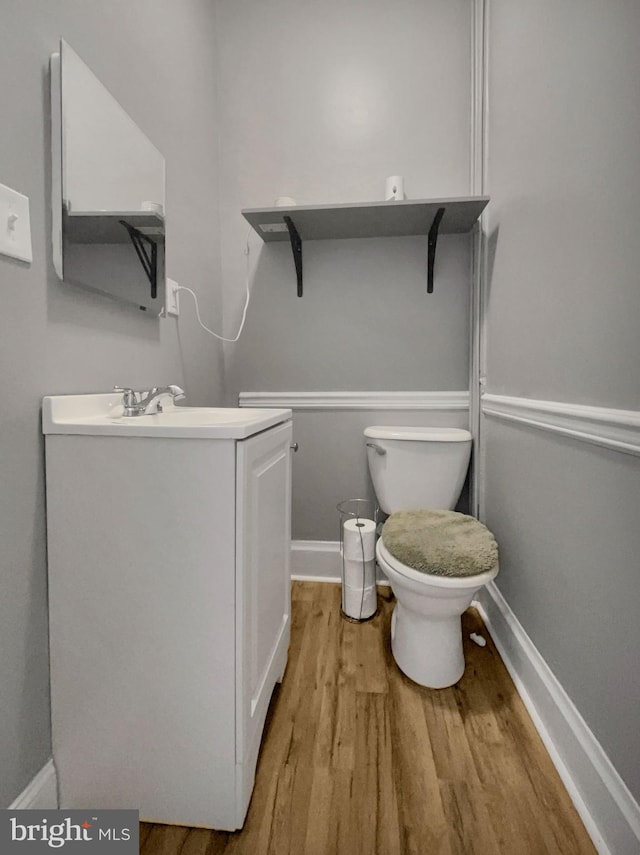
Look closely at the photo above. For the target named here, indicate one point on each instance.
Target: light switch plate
(15, 225)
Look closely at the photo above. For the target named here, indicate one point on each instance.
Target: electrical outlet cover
(171, 298)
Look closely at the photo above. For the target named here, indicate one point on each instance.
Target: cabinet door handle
(294, 446)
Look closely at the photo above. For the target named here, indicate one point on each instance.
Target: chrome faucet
(154, 395)
(147, 403)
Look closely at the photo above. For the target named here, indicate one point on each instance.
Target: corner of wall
(41, 793)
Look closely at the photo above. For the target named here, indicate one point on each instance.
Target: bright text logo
(105, 831)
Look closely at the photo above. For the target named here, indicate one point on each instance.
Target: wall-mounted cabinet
(107, 187)
(429, 217)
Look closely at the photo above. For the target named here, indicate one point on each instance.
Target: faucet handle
(129, 397)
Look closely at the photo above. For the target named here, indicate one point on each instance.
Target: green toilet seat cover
(441, 543)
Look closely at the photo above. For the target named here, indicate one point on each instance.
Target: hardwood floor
(358, 760)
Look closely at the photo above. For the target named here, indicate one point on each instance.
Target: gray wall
(321, 103)
(151, 54)
(563, 321)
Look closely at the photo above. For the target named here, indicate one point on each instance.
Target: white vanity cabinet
(169, 587)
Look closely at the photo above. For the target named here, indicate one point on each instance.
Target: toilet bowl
(415, 468)
(426, 631)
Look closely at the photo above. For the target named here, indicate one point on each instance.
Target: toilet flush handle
(378, 448)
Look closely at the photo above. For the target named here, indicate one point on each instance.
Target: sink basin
(192, 416)
(102, 415)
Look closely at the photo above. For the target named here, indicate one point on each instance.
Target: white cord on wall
(179, 288)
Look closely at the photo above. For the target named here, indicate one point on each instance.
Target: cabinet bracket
(148, 255)
(433, 240)
(296, 248)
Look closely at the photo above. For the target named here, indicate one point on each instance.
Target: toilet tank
(417, 467)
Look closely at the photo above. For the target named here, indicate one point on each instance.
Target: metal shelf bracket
(433, 240)
(296, 248)
(148, 255)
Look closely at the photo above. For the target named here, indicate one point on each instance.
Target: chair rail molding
(618, 430)
(305, 401)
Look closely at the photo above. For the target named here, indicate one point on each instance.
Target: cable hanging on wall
(179, 288)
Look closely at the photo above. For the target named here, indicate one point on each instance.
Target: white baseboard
(320, 561)
(609, 812)
(316, 560)
(41, 793)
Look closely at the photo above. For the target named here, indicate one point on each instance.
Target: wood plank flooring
(358, 760)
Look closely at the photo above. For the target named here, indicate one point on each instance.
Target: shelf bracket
(147, 254)
(433, 240)
(296, 248)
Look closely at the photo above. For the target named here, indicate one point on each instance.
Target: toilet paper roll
(359, 539)
(359, 603)
(284, 202)
(394, 188)
(358, 574)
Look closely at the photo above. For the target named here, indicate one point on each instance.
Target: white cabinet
(169, 617)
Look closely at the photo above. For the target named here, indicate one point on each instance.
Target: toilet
(418, 474)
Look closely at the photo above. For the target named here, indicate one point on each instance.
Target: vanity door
(263, 581)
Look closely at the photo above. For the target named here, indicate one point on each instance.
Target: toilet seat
(431, 579)
(440, 542)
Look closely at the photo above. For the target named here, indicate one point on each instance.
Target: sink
(195, 416)
(101, 414)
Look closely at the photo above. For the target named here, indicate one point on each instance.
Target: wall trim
(479, 185)
(320, 561)
(618, 430)
(608, 810)
(357, 400)
(316, 560)
(41, 793)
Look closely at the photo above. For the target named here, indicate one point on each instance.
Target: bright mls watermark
(69, 831)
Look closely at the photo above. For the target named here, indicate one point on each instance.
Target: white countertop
(101, 415)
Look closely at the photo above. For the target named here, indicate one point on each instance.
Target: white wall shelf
(367, 220)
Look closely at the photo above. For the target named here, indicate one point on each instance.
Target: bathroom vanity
(169, 591)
